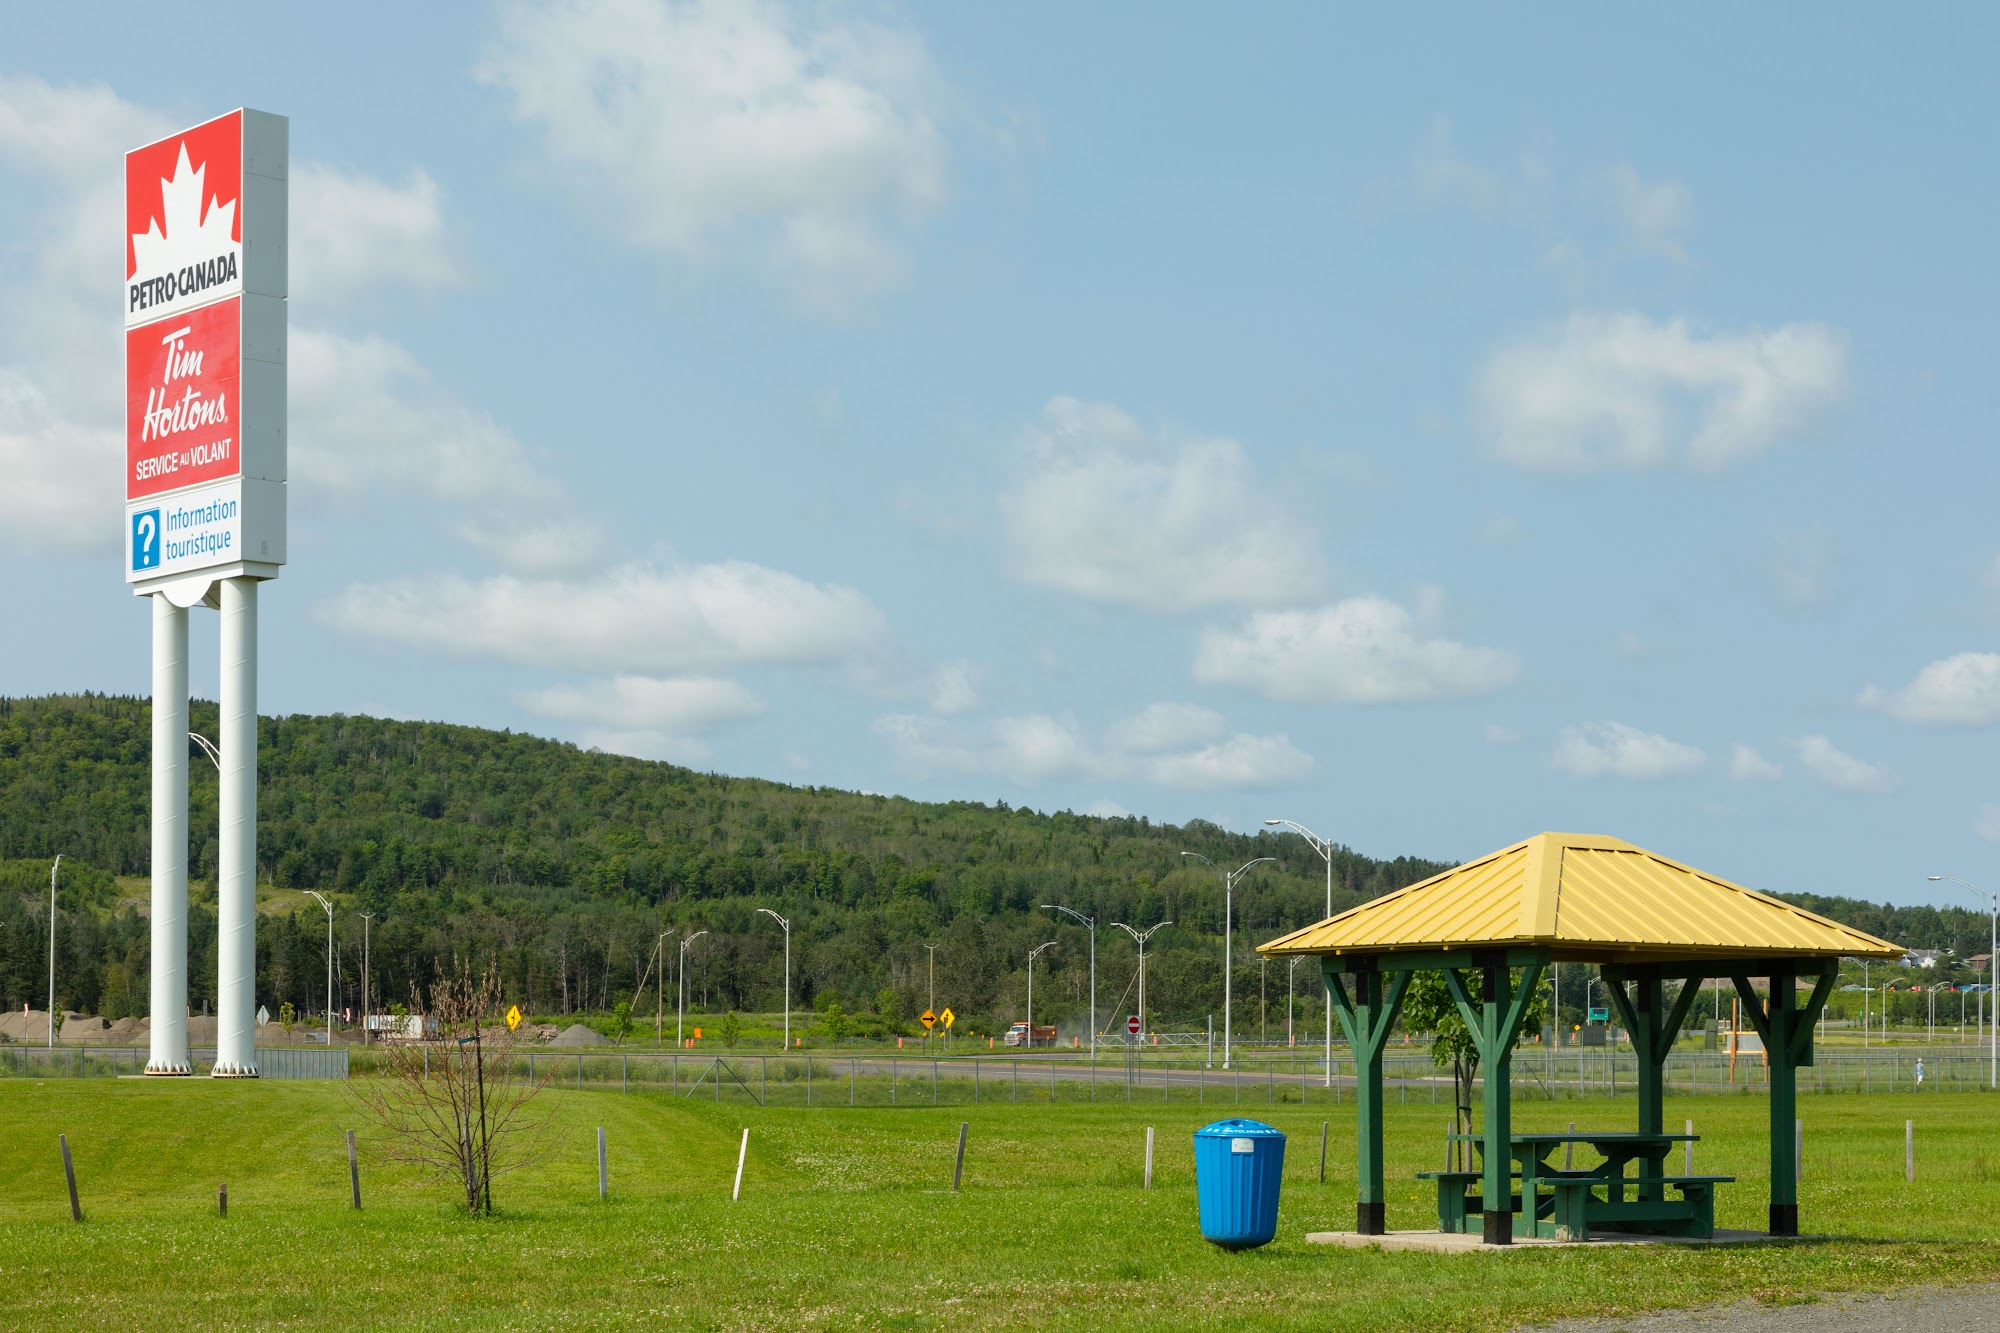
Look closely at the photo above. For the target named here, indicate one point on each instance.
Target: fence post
(603, 1177)
(741, 1152)
(1322, 1152)
(222, 1200)
(958, 1170)
(1149, 1157)
(353, 1172)
(69, 1175)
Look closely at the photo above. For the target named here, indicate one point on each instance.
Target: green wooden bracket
(1371, 1039)
(1474, 1011)
(1753, 1008)
(1802, 1035)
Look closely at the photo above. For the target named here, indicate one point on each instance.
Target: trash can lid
(1239, 1129)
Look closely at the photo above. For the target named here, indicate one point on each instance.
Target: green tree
(732, 1029)
(834, 1021)
(621, 1020)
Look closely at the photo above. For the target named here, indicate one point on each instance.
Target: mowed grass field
(847, 1218)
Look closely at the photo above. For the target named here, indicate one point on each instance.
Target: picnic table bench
(1565, 1204)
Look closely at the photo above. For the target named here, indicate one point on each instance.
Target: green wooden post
(1495, 1023)
(1366, 1016)
(1654, 1027)
(1787, 1030)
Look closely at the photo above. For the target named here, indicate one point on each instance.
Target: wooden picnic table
(1563, 1203)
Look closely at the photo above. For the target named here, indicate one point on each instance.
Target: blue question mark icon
(146, 539)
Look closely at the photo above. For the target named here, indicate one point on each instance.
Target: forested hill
(561, 867)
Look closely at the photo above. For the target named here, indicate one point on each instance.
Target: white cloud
(698, 129)
(1107, 511)
(1166, 726)
(1987, 825)
(679, 706)
(369, 418)
(1747, 765)
(1654, 212)
(352, 233)
(1170, 745)
(953, 690)
(1362, 650)
(62, 474)
(1841, 771)
(633, 618)
(1605, 391)
(1443, 177)
(1107, 809)
(1612, 749)
(1962, 690)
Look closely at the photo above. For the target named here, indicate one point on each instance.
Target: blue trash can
(1238, 1165)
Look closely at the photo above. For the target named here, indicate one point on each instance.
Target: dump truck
(1018, 1035)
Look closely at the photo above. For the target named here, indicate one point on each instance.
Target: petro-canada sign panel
(205, 350)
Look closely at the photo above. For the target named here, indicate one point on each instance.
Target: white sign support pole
(169, 1044)
(236, 879)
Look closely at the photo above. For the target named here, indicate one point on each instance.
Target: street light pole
(1324, 846)
(680, 987)
(788, 971)
(1092, 923)
(1031, 989)
(1291, 989)
(1141, 936)
(329, 964)
(1229, 879)
(366, 917)
(1992, 961)
(660, 991)
(52, 948)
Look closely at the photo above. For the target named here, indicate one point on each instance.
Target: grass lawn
(847, 1218)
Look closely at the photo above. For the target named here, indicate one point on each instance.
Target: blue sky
(1434, 429)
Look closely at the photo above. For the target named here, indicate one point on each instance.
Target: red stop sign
(1132, 1024)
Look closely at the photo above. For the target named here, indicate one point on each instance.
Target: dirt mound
(576, 1034)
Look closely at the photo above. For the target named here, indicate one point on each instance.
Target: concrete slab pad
(1445, 1242)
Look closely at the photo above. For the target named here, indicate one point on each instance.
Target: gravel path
(1919, 1310)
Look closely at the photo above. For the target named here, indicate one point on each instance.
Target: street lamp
(1141, 936)
(52, 948)
(1291, 989)
(1229, 879)
(329, 964)
(680, 986)
(1092, 923)
(366, 917)
(930, 999)
(660, 990)
(788, 971)
(1031, 989)
(1992, 959)
(1324, 846)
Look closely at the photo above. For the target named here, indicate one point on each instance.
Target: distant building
(1922, 957)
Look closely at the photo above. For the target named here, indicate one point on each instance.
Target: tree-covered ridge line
(561, 867)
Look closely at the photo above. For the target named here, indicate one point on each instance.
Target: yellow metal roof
(1590, 899)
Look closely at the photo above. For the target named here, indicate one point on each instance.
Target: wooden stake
(69, 1174)
(741, 1153)
(1149, 1157)
(1322, 1152)
(958, 1170)
(353, 1171)
(222, 1200)
(1909, 1150)
(603, 1179)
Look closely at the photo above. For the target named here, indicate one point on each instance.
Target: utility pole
(660, 989)
(366, 918)
(788, 971)
(329, 965)
(1229, 879)
(52, 948)
(1324, 846)
(1142, 936)
(1091, 922)
(930, 1004)
(680, 987)
(1031, 989)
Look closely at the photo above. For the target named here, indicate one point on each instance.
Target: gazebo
(1576, 898)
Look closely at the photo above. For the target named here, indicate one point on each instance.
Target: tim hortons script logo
(181, 399)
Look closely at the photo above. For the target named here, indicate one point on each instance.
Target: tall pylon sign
(205, 289)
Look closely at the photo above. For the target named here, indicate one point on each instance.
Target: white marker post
(741, 1153)
(236, 853)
